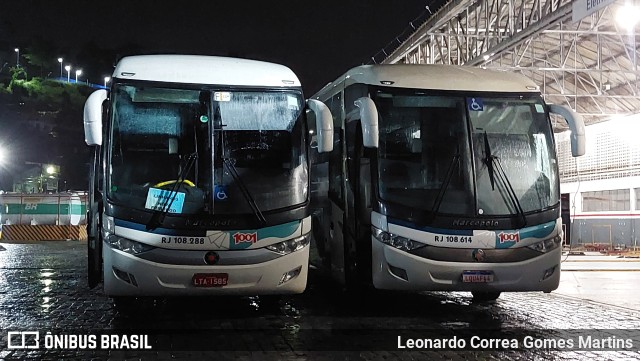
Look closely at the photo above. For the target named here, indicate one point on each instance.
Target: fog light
(288, 276)
(398, 272)
(124, 276)
(548, 273)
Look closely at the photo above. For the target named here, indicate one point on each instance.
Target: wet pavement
(43, 289)
(606, 279)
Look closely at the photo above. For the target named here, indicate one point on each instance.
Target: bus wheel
(485, 296)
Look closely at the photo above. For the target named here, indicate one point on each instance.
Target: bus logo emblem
(211, 257)
(509, 237)
(479, 255)
(239, 238)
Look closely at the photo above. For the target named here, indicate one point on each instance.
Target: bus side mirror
(324, 125)
(93, 117)
(576, 125)
(369, 120)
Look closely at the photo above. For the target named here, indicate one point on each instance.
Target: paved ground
(605, 279)
(43, 288)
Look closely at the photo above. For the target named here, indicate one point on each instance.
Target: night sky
(319, 40)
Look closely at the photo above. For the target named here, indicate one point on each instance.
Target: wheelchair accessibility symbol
(475, 104)
(220, 193)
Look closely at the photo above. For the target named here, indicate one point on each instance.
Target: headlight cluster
(546, 245)
(290, 245)
(393, 240)
(126, 245)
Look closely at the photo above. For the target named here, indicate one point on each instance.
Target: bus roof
(198, 69)
(431, 76)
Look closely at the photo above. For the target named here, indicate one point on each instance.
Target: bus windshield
(171, 145)
(466, 155)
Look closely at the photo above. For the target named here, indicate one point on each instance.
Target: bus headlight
(393, 240)
(126, 245)
(547, 245)
(290, 245)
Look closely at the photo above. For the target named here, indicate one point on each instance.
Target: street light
(106, 80)
(628, 16)
(60, 61)
(17, 50)
(78, 72)
(68, 69)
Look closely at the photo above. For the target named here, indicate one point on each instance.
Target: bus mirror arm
(369, 119)
(324, 125)
(576, 125)
(93, 117)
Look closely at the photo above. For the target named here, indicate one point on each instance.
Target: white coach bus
(200, 183)
(441, 178)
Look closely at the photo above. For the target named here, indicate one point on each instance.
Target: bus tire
(485, 296)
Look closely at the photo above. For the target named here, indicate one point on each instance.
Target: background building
(601, 190)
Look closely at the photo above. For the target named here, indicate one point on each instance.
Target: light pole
(60, 61)
(78, 72)
(68, 69)
(106, 80)
(17, 50)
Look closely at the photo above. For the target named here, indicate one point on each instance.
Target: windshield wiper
(489, 161)
(455, 163)
(492, 160)
(244, 190)
(158, 216)
(234, 172)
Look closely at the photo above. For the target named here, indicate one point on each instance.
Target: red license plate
(210, 279)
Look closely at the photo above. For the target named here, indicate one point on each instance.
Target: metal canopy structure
(590, 65)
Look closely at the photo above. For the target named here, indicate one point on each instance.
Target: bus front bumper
(128, 275)
(393, 269)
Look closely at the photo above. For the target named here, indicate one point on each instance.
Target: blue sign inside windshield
(475, 104)
(220, 192)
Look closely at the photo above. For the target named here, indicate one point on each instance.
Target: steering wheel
(166, 183)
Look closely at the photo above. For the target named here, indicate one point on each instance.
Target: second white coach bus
(200, 184)
(441, 178)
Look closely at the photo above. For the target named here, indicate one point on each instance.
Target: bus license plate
(477, 276)
(210, 279)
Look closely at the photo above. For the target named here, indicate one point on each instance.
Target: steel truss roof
(590, 65)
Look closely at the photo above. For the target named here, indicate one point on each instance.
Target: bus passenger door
(94, 221)
(357, 235)
(335, 219)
